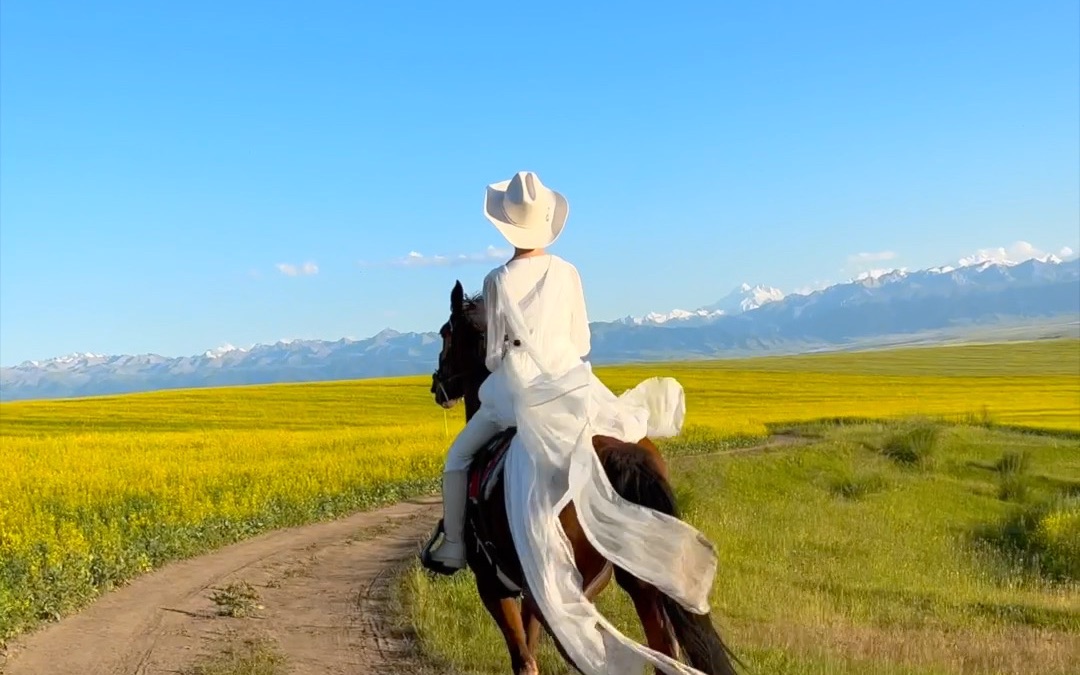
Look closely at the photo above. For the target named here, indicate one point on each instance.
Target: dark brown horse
(636, 471)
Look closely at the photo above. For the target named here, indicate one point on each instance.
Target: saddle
(487, 466)
(484, 474)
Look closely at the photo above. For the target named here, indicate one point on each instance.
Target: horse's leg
(646, 598)
(593, 587)
(505, 610)
(530, 616)
(650, 611)
(527, 605)
(595, 572)
(599, 582)
(532, 626)
(507, 615)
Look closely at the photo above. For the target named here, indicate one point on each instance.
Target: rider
(530, 217)
(540, 383)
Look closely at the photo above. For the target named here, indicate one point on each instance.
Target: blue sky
(175, 176)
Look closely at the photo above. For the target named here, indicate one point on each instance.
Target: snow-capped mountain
(385, 354)
(746, 298)
(743, 299)
(978, 269)
(874, 306)
(676, 316)
(221, 351)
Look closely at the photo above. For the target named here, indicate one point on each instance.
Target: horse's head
(461, 359)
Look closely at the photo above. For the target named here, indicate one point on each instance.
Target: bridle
(442, 384)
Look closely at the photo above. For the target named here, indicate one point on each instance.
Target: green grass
(836, 558)
(243, 657)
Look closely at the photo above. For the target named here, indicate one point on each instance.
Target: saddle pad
(488, 468)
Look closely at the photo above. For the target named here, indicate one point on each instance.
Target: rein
(443, 382)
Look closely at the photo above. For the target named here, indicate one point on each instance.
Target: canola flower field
(101, 489)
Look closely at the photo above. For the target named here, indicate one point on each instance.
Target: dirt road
(323, 600)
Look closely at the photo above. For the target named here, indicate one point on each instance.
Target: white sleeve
(496, 325)
(579, 317)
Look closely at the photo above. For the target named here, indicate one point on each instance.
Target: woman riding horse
(538, 334)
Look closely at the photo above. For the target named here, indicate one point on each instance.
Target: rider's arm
(496, 327)
(579, 318)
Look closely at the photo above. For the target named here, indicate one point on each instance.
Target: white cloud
(290, 270)
(417, 259)
(1018, 252)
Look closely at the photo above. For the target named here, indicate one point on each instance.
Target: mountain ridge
(750, 319)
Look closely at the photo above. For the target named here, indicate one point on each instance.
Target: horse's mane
(471, 300)
(477, 324)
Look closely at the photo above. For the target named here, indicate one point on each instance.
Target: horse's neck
(472, 405)
(472, 394)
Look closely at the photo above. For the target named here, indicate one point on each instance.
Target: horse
(636, 471)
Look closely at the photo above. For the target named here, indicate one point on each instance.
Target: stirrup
(428, 562)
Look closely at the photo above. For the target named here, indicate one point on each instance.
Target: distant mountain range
(875, 308)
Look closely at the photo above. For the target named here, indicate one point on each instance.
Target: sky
(179, 176)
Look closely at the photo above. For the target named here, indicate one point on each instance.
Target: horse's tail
(699, 640)
(636, 476)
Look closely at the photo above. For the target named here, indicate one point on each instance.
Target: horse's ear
(457, 297)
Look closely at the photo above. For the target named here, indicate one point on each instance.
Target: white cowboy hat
(525, 211)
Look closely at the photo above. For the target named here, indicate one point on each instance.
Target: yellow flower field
(98, 490)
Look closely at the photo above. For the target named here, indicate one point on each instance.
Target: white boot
(451, 552)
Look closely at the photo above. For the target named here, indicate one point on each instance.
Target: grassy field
(99, 490)
(875, 549)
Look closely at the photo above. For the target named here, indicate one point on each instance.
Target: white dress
(558, 404)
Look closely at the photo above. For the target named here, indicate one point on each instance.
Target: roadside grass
(838, 557)
(242, 657)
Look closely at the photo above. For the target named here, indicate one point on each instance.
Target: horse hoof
(529, 668)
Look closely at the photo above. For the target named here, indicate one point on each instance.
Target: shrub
(1012, 469)
(984, 418)
(914, 445)
(1014, 462)
(857, 484)
(1043, 538)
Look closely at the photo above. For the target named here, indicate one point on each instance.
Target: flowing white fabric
(558, 404)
